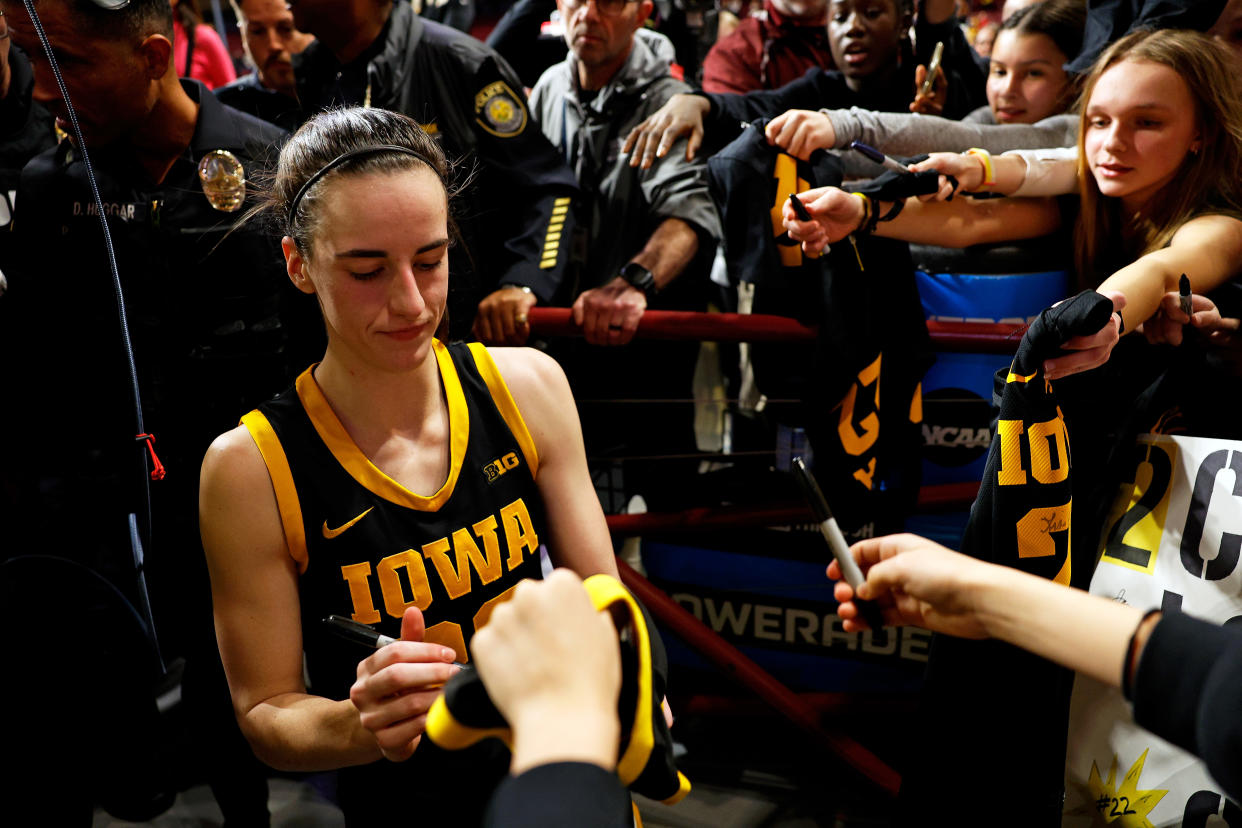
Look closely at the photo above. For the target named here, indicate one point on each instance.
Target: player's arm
(579, 535)
(258, 622)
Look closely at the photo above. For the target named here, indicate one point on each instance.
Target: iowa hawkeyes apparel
(366, 547)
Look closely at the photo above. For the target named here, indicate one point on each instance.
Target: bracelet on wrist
(985, 158)
(866, 225)
(523, 288)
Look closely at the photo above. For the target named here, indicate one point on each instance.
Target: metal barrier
(974, 337)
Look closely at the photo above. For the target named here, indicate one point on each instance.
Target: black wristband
(1127, 669)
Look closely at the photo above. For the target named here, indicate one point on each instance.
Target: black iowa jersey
(366, 547)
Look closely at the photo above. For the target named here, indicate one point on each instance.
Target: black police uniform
(513, 215)
(26, 129)
(205, 313)
(366, 547)
(247, 95)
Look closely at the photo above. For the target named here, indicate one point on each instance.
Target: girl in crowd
(1028, 92)
(1161, 138)
(876, 69)
(402, 482)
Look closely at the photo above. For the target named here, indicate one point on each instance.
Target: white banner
(1172, 541)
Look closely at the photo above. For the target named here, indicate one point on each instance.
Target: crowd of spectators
(578, 139)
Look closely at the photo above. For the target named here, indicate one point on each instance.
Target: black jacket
(465, 95)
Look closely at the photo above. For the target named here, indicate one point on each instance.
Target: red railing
(979, 337)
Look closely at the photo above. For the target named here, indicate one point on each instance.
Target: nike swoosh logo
(332, 533)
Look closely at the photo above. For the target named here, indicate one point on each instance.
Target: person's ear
(156, 53)
(295, 265)
(645, 8)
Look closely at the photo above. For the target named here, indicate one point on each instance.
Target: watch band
(640, 277)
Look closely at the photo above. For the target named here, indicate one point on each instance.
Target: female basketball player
(402, 483)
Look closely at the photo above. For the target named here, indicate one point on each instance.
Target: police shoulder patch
(499, 110)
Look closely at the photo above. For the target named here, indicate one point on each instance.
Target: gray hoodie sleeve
(907, 134)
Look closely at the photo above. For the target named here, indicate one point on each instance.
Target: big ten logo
(858, 425)
(786, 181)
(404, 582)
(1038, 454)
(1137, 522)
(498, 467)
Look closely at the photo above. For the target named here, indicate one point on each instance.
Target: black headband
(341, 159)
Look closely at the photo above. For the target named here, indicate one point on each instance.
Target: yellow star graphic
(1122, 805)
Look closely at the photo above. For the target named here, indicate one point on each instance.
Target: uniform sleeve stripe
(287, 504)
(563, 201)
(507, 407)
(547, 264)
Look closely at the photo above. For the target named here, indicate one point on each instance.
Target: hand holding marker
(869, 611)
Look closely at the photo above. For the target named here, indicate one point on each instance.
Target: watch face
(639, 276)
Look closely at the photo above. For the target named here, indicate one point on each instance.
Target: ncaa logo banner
(1172, 540)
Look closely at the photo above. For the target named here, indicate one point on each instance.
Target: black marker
(799, 208)
(358, 633)
(1183, 294)
(885, 161)
(836, 542)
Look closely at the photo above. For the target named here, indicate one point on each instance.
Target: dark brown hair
(334, 133)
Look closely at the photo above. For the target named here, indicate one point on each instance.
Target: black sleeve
(529, 187)
(561, 795)
(1188, 689)
(811, 91)
(518, 39)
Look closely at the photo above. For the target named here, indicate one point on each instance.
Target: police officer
(514, 215)
(204, 311)
(25, 126)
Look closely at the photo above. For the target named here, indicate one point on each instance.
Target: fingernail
(447, 654)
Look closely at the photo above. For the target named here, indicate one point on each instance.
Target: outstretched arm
(958, 223)
(920, 582)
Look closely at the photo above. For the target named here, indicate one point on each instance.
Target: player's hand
(800, 132)
(834, 215)
(933, 102)
(967, 169)
(396, 686)
(502, 316)
(551, 664)
(681, 115)
(914, 581)
(1090, 351)
(609, 315)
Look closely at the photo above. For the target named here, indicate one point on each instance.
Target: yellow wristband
(989, 172)
(866, 209)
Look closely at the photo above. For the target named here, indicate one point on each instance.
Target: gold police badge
(499, 110)
(223, 180)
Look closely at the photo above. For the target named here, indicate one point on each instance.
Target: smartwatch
(640, 277)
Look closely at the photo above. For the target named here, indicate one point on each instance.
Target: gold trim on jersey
(360, 467)
(287, 502)
(506, 405)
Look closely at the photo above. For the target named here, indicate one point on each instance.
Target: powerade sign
(765, 591)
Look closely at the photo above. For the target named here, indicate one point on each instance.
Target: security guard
(204, 306)
(514, 214)
(25, 126)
